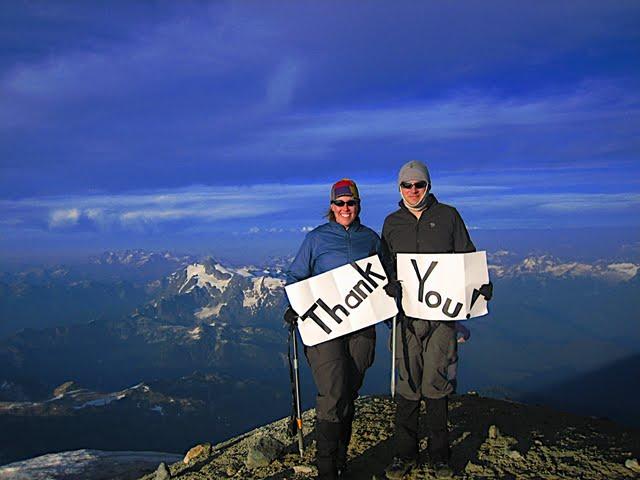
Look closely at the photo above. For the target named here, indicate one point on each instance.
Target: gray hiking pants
(338, 368)
(423, 357)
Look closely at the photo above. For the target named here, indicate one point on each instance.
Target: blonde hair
(329, 215)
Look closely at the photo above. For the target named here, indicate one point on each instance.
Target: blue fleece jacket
(330, 246)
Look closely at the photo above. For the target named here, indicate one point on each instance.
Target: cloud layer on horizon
(486, 200)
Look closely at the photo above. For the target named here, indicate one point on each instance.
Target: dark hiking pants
(338, 367)
(424, 350)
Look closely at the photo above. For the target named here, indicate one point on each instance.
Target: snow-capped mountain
(87, 463)
(209, 290)
(503, 264)
(139, 258)
(69, 397)
(204, 315)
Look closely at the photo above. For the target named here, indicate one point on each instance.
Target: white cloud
(592, 202)
(552, 203)
(199, 204)
(64, 218)
(278, 205)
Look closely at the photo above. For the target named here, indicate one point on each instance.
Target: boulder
(632, 464)
(162, 473)
(265, 450)
(204, 449)
(64, 388)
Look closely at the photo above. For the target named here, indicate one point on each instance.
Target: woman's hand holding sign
(290, 316)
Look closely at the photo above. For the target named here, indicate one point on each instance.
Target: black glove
(486, 291)
(290, 317)
(393, 288)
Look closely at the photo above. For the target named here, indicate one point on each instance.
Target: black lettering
(368, 273)
(352, 294)
(315, 318)
(422, 279)
(359, 286)
(474, 297)
(433, 294)
(447, 305)
(332, 311)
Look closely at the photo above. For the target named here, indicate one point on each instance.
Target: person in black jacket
(424, 348)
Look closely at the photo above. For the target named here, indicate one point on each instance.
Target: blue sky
(200, 124)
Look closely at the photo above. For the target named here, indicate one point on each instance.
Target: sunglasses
(418, 185)
(342, 203)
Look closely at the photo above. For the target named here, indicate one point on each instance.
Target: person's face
(413, 191)
(345, 214)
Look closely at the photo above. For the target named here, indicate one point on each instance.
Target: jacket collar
(355, 225)
(431, 201)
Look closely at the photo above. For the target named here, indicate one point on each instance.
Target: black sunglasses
(342, 203)
(418, 185)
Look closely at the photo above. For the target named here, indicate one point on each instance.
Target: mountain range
(201, 348)
(504, 264)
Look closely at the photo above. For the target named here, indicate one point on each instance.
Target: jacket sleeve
(301, 268)
(387, 256)
(461, 240)
(383, 255)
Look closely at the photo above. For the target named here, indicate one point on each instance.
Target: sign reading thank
(443, 286)
(341, 301)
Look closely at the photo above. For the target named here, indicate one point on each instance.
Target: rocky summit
(491, 439)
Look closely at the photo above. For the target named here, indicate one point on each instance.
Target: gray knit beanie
(412, 171)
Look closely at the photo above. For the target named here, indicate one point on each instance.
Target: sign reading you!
(443, 286)
(341, 301)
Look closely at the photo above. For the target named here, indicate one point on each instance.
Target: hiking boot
(443, 470)
(327, 434)
(399, 468)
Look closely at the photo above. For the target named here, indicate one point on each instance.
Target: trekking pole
(393, 357)
(297, 392)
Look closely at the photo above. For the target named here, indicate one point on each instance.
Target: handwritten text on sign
(341, 301)
(443, 286)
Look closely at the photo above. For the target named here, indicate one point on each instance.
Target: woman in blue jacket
(338, 365)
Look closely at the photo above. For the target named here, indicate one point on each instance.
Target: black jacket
(439, 229)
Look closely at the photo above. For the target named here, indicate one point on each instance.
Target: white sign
(341, 301)
(443, 286)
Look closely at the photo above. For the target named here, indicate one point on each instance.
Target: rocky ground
(491, 439)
